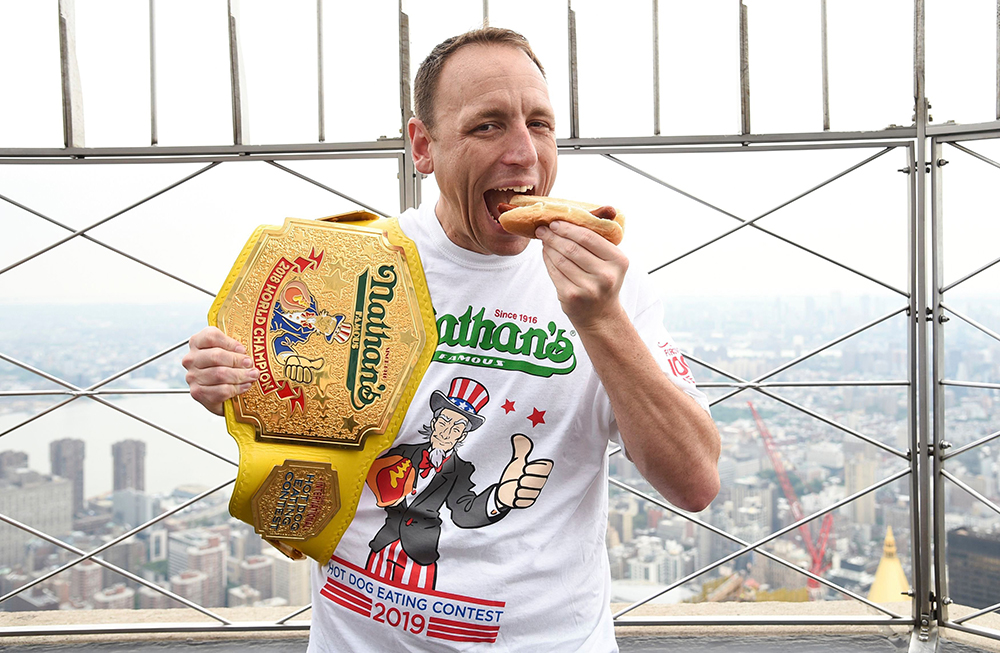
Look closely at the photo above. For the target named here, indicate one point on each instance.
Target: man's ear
(420, 140)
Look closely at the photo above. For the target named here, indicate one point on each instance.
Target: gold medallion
(296, 501)
(337, 318)
(329, 315)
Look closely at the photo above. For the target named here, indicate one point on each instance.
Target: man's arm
(218, 368)
(671, 439)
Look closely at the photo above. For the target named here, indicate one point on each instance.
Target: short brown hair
(425, 86)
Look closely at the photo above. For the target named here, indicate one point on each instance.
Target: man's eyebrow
(444, 417)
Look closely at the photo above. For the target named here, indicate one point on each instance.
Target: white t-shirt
(532, 579)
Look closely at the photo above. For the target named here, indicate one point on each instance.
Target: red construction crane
(817, 550)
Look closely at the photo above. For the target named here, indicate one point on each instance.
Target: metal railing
(922, 465)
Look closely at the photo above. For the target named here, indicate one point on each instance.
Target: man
(580, 356)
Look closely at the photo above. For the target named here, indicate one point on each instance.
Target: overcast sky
(196, 230)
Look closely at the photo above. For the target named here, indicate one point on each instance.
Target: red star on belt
(537, 417)
(508, 407)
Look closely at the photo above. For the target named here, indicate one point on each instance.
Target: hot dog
(527, 212)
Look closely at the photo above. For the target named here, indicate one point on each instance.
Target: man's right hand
(218, 368)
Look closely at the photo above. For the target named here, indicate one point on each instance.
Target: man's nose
(520, 148)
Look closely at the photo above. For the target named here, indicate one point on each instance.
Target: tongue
(494, 198)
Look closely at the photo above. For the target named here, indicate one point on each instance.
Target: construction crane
(817, 549)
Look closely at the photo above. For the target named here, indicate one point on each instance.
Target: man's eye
(483, 129)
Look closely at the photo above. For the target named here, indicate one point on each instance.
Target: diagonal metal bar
(294, 614)
(969, 320)
(87, 393)
(970, 275)
(163, 429)
(752, 221)
(972, 384)
(327, 188)
(107, 246)
(975, 154)
(803, 409)
(789, 241)
(773, 536)
(814, 352)
(835, 424)
(742, 542)
(145, 361)
(80, 392)
(38, 415)
(954, 479)
(992, 506)
(81, 232)
(35, 370)
(76, 391)
(107, 565)
(971, 445)
(124, 536)
(807, 384)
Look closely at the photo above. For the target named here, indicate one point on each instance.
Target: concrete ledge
(810, 619)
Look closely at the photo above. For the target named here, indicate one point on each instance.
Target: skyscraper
(973, 567)
(130, 464)
(66, 458)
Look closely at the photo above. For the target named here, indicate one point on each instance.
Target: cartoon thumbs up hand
(300, 369)
(522, 480)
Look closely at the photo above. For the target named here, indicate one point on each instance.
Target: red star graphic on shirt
(537, 417)
(508, 406)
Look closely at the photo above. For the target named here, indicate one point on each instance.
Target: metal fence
(920, 150)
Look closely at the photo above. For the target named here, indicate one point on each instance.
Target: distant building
(859, 473)
(150, 599)
(258, 573)
(241, 596)
(204, 551)
(85, 580)
(190, 585)
(292, 578)
(40, 501)
(133, 507)
(130, 464)
(66, 458)
(116, 597)
(11, 461)
(973, 567)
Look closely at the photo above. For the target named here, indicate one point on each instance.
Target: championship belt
(336, 316)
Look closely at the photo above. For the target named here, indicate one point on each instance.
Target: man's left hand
(587, 272)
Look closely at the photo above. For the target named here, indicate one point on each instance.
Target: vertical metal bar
(826, 71)
(998, 59)
(744, 70)
(486, 13)
(154, 137)
(240, 114)
(937, 394)
(656, 67)
(409, 178)
(574, 88)
(922, 565)
(912, 347)
(72, 92)
(320, 91)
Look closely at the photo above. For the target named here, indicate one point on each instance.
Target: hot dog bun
(534, 211)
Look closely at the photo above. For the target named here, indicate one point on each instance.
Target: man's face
(494, 137)
(449, 429)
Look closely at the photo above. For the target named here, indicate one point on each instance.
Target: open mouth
(496, 196)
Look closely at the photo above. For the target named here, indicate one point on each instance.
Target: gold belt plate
(337, 319)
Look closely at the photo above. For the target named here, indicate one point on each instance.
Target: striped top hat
(466, 397)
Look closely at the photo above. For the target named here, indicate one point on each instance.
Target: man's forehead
(478, 67)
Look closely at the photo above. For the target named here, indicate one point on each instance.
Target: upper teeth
(518, 189)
